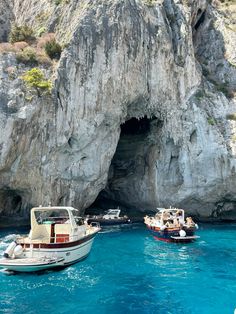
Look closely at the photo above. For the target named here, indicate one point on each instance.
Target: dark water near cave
(128, 271)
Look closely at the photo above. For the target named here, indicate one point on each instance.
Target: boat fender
(182, 233)
(18, 250)
(163, 227)
(196, 226)
(10, 249)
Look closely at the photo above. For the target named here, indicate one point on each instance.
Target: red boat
(170, 225)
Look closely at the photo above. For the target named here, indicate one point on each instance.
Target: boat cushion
(62, 232)
(61, 238)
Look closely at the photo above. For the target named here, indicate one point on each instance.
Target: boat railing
(57, 239)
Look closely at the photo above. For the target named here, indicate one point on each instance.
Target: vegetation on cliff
(53, 49)
(21, 33)
(35, 79)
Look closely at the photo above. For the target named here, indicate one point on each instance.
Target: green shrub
(43, 59)
(233, 138)
(199, 94)
(29, 98)
(41, 31)
(224, 88)
(27, 56)
(150, 3)
(211, 121)
(21, 33)
(231, 116)
(36, 80)
(57, 2)
(53, 49)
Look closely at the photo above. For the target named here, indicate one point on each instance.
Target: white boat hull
(35, 259)
(29, 264)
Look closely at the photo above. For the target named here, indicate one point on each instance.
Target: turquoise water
(128, 271)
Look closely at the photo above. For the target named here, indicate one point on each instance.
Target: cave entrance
(135, 127)
(12, 208)
(129, 174)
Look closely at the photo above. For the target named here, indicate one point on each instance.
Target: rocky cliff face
(142, 110)
(6, 16)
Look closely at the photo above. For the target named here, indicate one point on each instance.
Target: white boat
(58, 237)
(111, 217)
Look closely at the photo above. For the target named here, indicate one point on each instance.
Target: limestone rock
(6, 16)
(132, 116)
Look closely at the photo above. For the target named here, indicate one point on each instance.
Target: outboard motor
(10, 250)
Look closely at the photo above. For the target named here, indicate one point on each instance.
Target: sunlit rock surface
(140, 114)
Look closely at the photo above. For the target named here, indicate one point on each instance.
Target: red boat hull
(172, 234)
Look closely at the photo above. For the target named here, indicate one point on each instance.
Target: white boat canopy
(41, 217)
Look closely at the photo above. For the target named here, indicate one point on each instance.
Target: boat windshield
(113, 212)
(78, 219)
(51, 216)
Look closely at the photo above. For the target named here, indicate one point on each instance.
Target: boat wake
(118, 228)
(9, 238)
(110, 230)
(4, 242)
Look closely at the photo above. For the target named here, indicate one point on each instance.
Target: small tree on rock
(53, 49)
(35, 79)
(21, 33)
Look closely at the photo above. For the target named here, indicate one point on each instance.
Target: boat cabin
(171, 216)
(56, 225)
(112, 214)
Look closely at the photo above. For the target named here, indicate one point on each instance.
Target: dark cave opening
(10, 200)
(135, 126)
(127, 163)
(11, 207)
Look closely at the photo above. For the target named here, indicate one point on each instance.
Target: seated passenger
(166, 215)
(190, 222)
(157, 216)
(169, 224)
(178, 213)
(176, 222)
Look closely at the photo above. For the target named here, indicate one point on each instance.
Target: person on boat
(170, 224)
(157, 216)
(167, 224)
(190, 222)
(176, 223)
(166, 215)
(178, 213)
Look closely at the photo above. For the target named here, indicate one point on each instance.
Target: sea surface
(128, 271)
